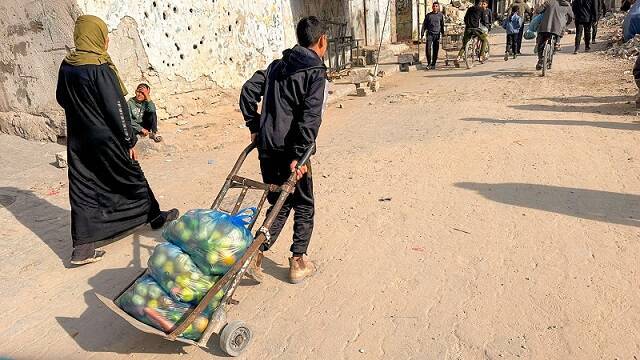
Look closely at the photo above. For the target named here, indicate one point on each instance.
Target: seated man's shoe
(300, 269)
(255, 268)
(155, 137)
(163, 218)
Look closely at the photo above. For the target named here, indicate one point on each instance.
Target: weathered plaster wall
(33, 35)
(194, 53)
(225, 40)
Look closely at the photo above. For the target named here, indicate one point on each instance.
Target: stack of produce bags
(204, 245)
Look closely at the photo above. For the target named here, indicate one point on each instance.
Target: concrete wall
(191, 52)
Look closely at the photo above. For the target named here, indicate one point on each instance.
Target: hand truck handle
(307, 155)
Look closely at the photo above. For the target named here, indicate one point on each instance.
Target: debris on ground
(61, 159)
(627, 50)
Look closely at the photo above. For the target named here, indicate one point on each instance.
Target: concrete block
(405, 67)
(360, 76)
(363, 91)
(405, 59)
(371, 56)
(359, 61)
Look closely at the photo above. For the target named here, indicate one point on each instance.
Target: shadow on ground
(98, 330)
(599, 124)
(604, 109)
(464, 73)
(50, 223)
(604, 206)
(588, 99)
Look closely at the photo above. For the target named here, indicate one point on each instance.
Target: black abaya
(108, 191)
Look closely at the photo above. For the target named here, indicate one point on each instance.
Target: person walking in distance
(523, 10)
(586, 13)
(433, 27)
(293, 92)
(512, 25)
(602, 11)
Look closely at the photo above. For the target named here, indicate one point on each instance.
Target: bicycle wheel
(470, 53)
(545, 57)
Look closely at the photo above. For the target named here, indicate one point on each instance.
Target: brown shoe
(255, 268)
(299, 269)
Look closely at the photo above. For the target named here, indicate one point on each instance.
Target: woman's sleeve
(114, 106)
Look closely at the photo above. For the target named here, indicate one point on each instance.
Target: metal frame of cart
(235, 336)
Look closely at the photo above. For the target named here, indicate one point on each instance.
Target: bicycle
(547, 53)
(473, 50)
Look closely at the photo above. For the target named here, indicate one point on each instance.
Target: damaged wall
(34, 35)
(192, 52)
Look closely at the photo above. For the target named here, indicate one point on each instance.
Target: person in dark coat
(433, 27)
(586, 13)
(293, 91)
(108, 191)
(557, 15)
(602, 11)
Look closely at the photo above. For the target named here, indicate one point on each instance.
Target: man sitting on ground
(144, 120)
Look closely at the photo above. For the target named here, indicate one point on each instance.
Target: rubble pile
(454, 11)
(627, 50)
(613, 19)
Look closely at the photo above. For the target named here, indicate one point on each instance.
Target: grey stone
(61, 159)
(405, 59)
(363, 91)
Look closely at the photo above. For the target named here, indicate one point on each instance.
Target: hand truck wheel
(235, 338)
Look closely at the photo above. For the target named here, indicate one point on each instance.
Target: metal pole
(384, 25)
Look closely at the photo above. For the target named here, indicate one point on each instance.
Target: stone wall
(194, 53)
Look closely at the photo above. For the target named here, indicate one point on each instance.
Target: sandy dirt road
(481, 214)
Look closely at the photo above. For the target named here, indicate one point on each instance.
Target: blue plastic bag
(631, 23)
(214, 240)
(535, 23)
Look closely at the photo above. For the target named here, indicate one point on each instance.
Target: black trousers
(276, 170)
(150, 121)
(583, 28)
(594, 31)
(432, 48)
(541, 42)
(519, 39)
(512, 44)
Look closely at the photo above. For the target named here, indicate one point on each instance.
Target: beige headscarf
(90, 39)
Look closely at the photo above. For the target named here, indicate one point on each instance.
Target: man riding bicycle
(557, 15)
(476, 24)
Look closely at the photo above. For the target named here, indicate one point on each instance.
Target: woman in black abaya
(108, 191)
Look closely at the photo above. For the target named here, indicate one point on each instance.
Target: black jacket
(475, 17)
(293, 91)
(586, 11)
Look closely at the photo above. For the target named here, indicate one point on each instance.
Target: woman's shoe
(163, 218)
